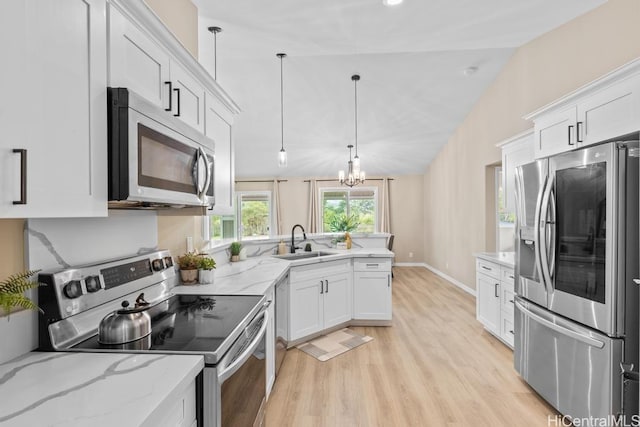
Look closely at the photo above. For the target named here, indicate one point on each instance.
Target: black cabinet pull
(496, 290)
(23, 176)
(177, 91)
(578, 126)
(569, 135)
(170, 96)
(321, 287)
(326, 290)
(511, 332)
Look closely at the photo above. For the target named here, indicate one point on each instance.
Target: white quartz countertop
(91, 389)
(255, 276)
(508, 259)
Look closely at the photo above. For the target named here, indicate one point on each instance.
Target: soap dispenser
(282, 248)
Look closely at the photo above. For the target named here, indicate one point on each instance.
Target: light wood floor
(435, 366)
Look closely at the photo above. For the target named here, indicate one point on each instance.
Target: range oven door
(155, 158)
(575, 369)
(583, 235)
(235, 389)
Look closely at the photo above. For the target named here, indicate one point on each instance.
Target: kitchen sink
(303, 255)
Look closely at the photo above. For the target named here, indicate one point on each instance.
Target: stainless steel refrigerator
(576, 309)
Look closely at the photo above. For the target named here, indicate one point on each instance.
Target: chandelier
(354, 175)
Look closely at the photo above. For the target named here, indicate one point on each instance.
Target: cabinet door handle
(486, 268)
(511, 276)
(578, 126)
(511, 332)
(388, 280)
(177, 91)
(23, 176)
(326, 284)
(170, 96)
(496, 290)
(321, 287)
(372, 265)
(511, 301)
(569, 135)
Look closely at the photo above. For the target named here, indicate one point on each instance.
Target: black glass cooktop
(189, 323)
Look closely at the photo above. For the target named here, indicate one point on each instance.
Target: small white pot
(206, 276)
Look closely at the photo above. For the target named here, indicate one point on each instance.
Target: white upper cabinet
(516, 151)
(218, 126)
(605, 109)
(54, 133)
(189, 96)
(137, 62)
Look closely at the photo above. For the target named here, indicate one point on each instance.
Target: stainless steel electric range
(228, 330)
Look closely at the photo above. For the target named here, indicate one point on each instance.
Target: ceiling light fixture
(354, 175)
(391, 2)
(282, 155)
(215, 31)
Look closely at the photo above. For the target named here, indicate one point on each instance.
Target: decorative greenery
(188, 261)
(206, 263)
(344, 222)
(12, 291)
(235, 248)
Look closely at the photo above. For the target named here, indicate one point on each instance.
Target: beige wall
(539, 72)
(181, 16)
(11, 247)
(406, 209)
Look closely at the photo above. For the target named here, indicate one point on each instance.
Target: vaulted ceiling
(413, 91)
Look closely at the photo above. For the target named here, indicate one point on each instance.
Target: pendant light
(282, 155)
(215, 31)
(354, 175)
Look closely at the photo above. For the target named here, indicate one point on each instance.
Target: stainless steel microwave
(155, 160)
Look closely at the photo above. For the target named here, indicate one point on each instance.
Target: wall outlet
(410, 254)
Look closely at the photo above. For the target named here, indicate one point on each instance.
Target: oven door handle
(228, 371)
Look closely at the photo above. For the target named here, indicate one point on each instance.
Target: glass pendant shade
(282, 158)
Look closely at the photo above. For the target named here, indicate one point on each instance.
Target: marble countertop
(255, 276)
(96, 389)
(507, 259)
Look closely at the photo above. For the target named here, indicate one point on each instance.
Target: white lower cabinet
(182, 411)
(270, 342)
(495, 299)
(372, 289)
(319, 297)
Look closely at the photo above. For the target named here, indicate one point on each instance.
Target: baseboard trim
(409, 264)
(450, 279)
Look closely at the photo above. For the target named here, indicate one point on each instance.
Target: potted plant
(235, 251)
(12, 291)
(188, 264)
(206, 265)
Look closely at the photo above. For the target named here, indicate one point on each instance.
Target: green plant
(12, 291)
(235, 248)
(188, 261)
(343, 222)
(206, 263)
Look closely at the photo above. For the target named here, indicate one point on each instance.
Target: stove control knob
(92, 283)
(72, 289)
(168, 261)
(157, 264)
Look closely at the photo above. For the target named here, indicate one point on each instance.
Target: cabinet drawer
(488, 268)
(320, 269)
(507, 276)
(372, 264)
(507, 333)
(507, 299)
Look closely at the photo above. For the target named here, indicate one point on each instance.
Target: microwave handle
(201, 190)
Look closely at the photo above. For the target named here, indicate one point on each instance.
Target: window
(222, 227)
(254, 213)
(505, 220)
(343, 209)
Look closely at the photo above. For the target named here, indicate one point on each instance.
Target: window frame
(348, 191)
(498, 184)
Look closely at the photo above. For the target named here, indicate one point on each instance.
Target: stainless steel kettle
(124, 325)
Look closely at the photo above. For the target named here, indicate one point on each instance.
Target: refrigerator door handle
(558, 328)
(542, 227)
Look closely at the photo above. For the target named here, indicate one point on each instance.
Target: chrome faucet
(293, 244)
